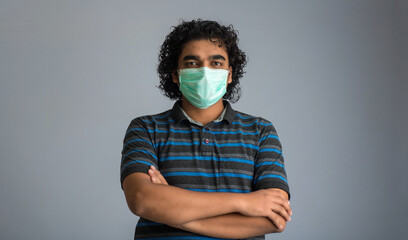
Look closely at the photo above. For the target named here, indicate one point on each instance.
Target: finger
(154, 176)
(163, 179)
(160, 176)
(280, 199)
(150, 172)
(285, 204)
(281, 211)
(151, 175)
(276, 220)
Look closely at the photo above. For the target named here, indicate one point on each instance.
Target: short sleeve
(269, 167)
(138, 152)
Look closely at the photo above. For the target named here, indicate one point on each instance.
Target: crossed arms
(221, 215)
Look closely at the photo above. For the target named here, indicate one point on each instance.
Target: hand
(156, 177)
(268, 203)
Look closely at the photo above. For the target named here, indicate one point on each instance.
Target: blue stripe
(179, 131)
(232, 132)
(191, 130)
(269, 136)
(238, 115)
(270, 150)
(219, 190)
(270, 176)
(205, 158)
(177, 143)
(162, 131)
(203, 174)
(137, 129)
(270, 163)
(139, 150)
(210, 144)
(245, 125)
(137, 140)
(136, 161)
(234, 145)
(260, 123)
(143, 224)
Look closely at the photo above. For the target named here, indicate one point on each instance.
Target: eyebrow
(197, 58)
(217, 57)
(191, 57)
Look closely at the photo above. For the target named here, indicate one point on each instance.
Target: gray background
(331, 75)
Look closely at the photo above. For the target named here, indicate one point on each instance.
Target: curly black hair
(194, 30)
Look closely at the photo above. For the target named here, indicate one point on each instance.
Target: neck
(203, 116)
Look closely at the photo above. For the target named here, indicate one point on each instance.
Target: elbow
(136, 210)
(140, 205)
(138, 194)
(136, 205)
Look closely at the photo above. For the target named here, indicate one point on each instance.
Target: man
(203, 170)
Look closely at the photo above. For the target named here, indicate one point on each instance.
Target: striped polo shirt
(240, 153)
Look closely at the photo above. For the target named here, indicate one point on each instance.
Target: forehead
(203, 48)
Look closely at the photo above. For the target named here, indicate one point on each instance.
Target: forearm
(172, 205)
(233, 226)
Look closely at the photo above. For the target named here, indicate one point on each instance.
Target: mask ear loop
(179, 78)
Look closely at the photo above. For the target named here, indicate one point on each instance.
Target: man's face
(203, 53)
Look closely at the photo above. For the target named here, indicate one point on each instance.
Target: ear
(230, 75)
(175, 77)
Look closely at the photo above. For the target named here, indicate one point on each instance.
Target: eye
(217, 64)
(191, 64)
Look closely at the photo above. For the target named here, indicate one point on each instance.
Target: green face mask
(204, 86)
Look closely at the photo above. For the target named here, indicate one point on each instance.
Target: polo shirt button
(206, 129)
(206, 140)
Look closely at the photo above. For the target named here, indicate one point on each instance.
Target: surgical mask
(204, 86)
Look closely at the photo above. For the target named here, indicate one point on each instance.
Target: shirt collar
(178, 115)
